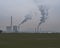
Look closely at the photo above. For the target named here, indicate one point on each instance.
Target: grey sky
(19, 8)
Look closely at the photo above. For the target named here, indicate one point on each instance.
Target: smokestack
(11, 24)
(35, 30)
(11, 20)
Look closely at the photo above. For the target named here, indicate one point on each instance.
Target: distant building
(15, 29)
(12, 28)
(8, 28)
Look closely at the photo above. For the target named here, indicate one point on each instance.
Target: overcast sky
(19, 8)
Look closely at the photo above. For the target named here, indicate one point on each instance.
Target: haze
(19, 8)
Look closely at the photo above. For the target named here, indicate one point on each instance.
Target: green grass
(21, 40)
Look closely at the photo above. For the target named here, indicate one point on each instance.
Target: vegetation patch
(29, 40)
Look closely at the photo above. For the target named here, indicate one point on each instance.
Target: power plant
(16, 28)
(12, 28)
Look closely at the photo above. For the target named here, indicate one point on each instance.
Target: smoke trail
(27, 17)
(44, 13)
(23, 21)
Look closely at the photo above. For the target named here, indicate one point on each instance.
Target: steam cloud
(27, 17)
(44, 13)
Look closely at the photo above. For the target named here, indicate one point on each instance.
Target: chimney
(11, 20)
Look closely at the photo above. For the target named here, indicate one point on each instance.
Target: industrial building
(8, 28)
(15, 28)
(12, 28)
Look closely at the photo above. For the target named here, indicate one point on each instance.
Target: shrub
(1, 31)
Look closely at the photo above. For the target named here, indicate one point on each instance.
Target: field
(26, 40)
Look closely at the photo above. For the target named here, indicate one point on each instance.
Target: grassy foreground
(31, 40)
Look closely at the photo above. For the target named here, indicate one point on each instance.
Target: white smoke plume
(27, 17)
(44, 12)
